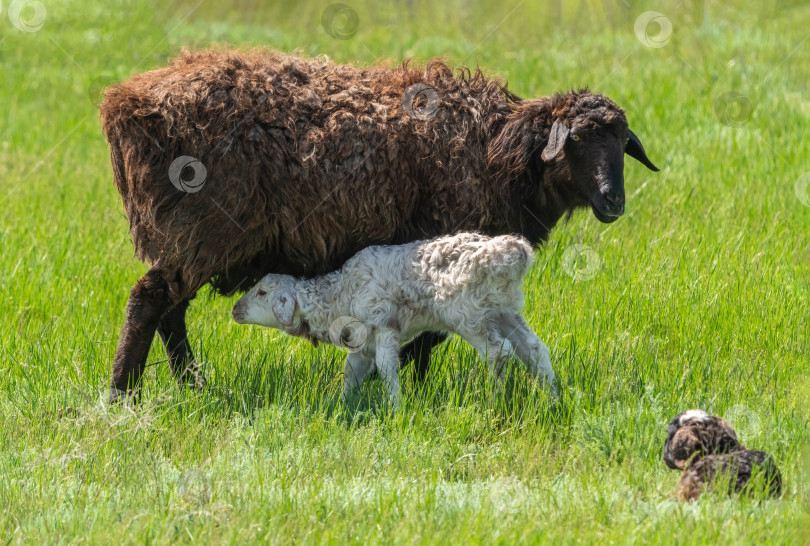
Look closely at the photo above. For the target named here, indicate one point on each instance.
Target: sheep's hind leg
(172, 331)
(529, 348)
(495, 349)
(148, 301)
(419, 350)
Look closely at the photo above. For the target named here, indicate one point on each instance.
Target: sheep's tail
(113, 115)
(472, 259)
(119, 169)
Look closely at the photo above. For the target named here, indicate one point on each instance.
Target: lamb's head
(693, 434)
(574, 144)
(272, 303)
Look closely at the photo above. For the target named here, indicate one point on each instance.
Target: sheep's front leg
(537, 361)
(495, 350)
(541, 364)
(532, 351)
(148, 301)
(499, 352)
(387, 342)
(357, 369)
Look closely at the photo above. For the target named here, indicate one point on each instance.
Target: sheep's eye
(261, 293)
(575, 138)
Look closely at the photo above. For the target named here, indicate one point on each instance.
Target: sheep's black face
(585, 151)
(596, 159)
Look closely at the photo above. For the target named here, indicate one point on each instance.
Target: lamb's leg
(529, 348)
(418, 350)
(499, 352)
(495, 349)
(387, 342)
(148, 301)
(172, 330)
(356, 371)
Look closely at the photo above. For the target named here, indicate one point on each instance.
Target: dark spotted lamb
(706, 448)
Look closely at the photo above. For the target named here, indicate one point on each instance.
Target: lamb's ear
(729, 441)
(284, 307)
(634, 149)
(556, 140)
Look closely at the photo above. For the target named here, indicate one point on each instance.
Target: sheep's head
(575, 144)
(693, 434)
(272, 303)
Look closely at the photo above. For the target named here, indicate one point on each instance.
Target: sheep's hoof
(117, 396)
(193, 377)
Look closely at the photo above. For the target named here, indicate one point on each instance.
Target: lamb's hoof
(551, 390)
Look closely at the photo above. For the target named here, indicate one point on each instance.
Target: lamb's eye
(575, 138)
(261, 293)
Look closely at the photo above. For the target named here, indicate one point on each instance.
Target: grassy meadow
(697, 298)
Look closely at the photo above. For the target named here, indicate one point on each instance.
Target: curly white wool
(468, 284)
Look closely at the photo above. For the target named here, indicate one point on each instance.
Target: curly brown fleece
(309, 161)
(738, 471)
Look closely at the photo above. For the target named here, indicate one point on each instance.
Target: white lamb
(382, 297)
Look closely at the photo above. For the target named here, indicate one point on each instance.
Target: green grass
(701, 301)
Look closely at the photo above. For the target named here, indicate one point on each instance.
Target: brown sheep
(300, 163)
(706, 448)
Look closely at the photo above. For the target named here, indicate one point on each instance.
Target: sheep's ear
(556, 140)
(634, 149)
(284, 307)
